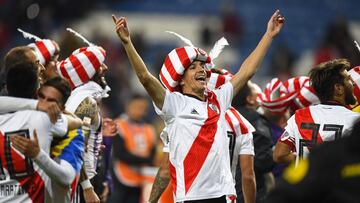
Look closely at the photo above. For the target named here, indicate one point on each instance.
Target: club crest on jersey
(214, 108)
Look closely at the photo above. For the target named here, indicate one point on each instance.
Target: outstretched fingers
(114, 18)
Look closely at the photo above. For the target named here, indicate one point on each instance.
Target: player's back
(320, 123)
(21, 180)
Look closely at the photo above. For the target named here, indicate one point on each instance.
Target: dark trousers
(214, 200)
(125, 194)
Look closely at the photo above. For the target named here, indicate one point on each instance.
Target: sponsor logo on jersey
(193, 111)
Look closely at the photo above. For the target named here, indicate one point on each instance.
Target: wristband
(86, 184)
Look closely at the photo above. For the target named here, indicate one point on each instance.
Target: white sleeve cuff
(86, 184)
(63, 173)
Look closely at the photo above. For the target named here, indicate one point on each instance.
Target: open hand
(122, 29)
(28, 147)
(275, 24)
(109, 127)
(51, 108)
(90, 196)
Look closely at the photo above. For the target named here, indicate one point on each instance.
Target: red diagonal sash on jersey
(201, 146)
(304, 116)
(173, 177)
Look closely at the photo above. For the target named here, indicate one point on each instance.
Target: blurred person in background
(134, 148)
(246, 102)
(277, 122)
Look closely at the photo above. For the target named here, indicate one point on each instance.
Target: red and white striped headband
(45, 49)
(269, 100)
(355, 75)
(216, 79)
(179, 59)
(82, 65)
(295, 93)
(176, 62)
(306, 94)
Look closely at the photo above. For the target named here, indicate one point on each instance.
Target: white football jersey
(314, 125)
(240, 136)
(21, 180)
(198, 144)
(95, 92)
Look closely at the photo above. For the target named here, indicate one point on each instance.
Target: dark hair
(325, 75)
(355, 130)
(17, 55)
(240, 100)
(61, 85)
(22, 80)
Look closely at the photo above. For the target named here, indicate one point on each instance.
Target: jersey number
(314, 127)
(232, 140)
(17, 165)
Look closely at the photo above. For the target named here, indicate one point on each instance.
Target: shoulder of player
(38, 118)
(31, 113)
(88, 107)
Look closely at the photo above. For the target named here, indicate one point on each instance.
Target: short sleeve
(173, 103)
(246, 144)
(61, 126)
(288, 137)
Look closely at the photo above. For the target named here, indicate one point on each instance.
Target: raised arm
(253, 61)
(152, 85)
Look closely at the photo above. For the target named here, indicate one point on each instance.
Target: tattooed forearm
(87, 108)
(161, 182)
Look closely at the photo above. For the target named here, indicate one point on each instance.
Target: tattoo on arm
(158, 187)
(87, 108)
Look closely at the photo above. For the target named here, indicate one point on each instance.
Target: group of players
(50, 122)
